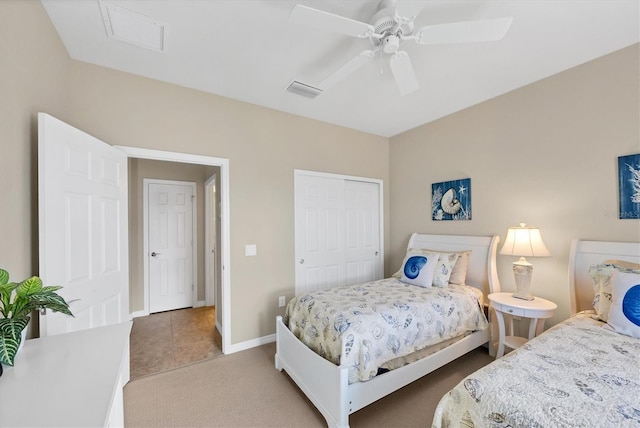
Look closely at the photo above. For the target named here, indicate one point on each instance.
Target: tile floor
(171, 339)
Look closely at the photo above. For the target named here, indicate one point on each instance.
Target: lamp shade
(524, 241)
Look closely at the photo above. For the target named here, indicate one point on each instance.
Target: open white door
(82, 206)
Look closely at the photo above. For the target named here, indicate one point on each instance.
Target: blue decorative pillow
(624, 315)
(418, 269)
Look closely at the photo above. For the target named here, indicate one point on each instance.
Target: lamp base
(523, 295)
(522, 271)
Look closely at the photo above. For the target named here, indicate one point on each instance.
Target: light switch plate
(250, 250)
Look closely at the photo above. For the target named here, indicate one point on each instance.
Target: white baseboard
(143, 313)
(243, 346)
(138, 314)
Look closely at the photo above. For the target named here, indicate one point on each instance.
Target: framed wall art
(451, 200)
(629, 186)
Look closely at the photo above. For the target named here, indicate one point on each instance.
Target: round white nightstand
(537, 310)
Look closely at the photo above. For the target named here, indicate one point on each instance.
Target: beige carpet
(245, 390)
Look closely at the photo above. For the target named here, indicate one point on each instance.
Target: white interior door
(362, 239)
(211, 236)
(319, 230)
(83, 237)
(170, 245)
(337, 231)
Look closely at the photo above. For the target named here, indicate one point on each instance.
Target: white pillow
(624, 314)
(418, 269)
(459, 272)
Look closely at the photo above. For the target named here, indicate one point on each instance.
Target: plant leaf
(6, 293)
(51, 301)
(8, 288)
(4, 277)
(10, 338)
(51, 288)
(29, 286)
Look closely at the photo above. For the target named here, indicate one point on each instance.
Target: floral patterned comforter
(577, 374)
(363, 326)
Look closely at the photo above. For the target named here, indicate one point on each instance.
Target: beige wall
(33, 70)
(263, 147)
(545, 154)
(139, 169)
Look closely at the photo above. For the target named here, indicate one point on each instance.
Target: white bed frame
(326, 384)
(586, 253)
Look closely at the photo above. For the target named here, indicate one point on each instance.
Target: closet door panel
(337, 232)
(319, 233)
(362, 208)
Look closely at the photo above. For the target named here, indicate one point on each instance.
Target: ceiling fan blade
(329, 22)
(488, 30)
(403, 73)
(355, 63)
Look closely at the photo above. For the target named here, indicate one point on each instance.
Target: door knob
(301, 261)
(154, 254)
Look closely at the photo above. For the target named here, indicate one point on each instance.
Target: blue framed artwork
(629, 186)
(451, 200)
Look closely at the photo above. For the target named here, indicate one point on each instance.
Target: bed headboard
(586, 253)
(482, 271)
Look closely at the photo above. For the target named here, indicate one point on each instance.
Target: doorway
(223, 316)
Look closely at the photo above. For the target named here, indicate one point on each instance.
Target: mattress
(367, 325)
(576, 374)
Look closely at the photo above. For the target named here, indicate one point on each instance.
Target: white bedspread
(577, 374)
(364, 326)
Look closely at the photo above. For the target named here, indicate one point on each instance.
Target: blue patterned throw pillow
(624, 315)
(418, 269)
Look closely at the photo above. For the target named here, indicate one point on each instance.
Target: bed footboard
(327, 385)
(324, 383)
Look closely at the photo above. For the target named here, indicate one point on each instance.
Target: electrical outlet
(281, 301)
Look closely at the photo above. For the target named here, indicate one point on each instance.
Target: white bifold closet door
(337, 231)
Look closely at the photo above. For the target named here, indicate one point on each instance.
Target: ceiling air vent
(131, 27)
(303, 89)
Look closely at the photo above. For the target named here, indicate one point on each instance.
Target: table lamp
(524, 241)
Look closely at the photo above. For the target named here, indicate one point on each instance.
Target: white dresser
(73, 379)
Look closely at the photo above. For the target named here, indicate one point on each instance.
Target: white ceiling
(247, 50)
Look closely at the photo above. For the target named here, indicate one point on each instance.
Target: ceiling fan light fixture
(391, 44)
(303, 89)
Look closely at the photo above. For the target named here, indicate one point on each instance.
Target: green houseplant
(17, 301)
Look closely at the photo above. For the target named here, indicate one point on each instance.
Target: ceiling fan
(390, 27)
